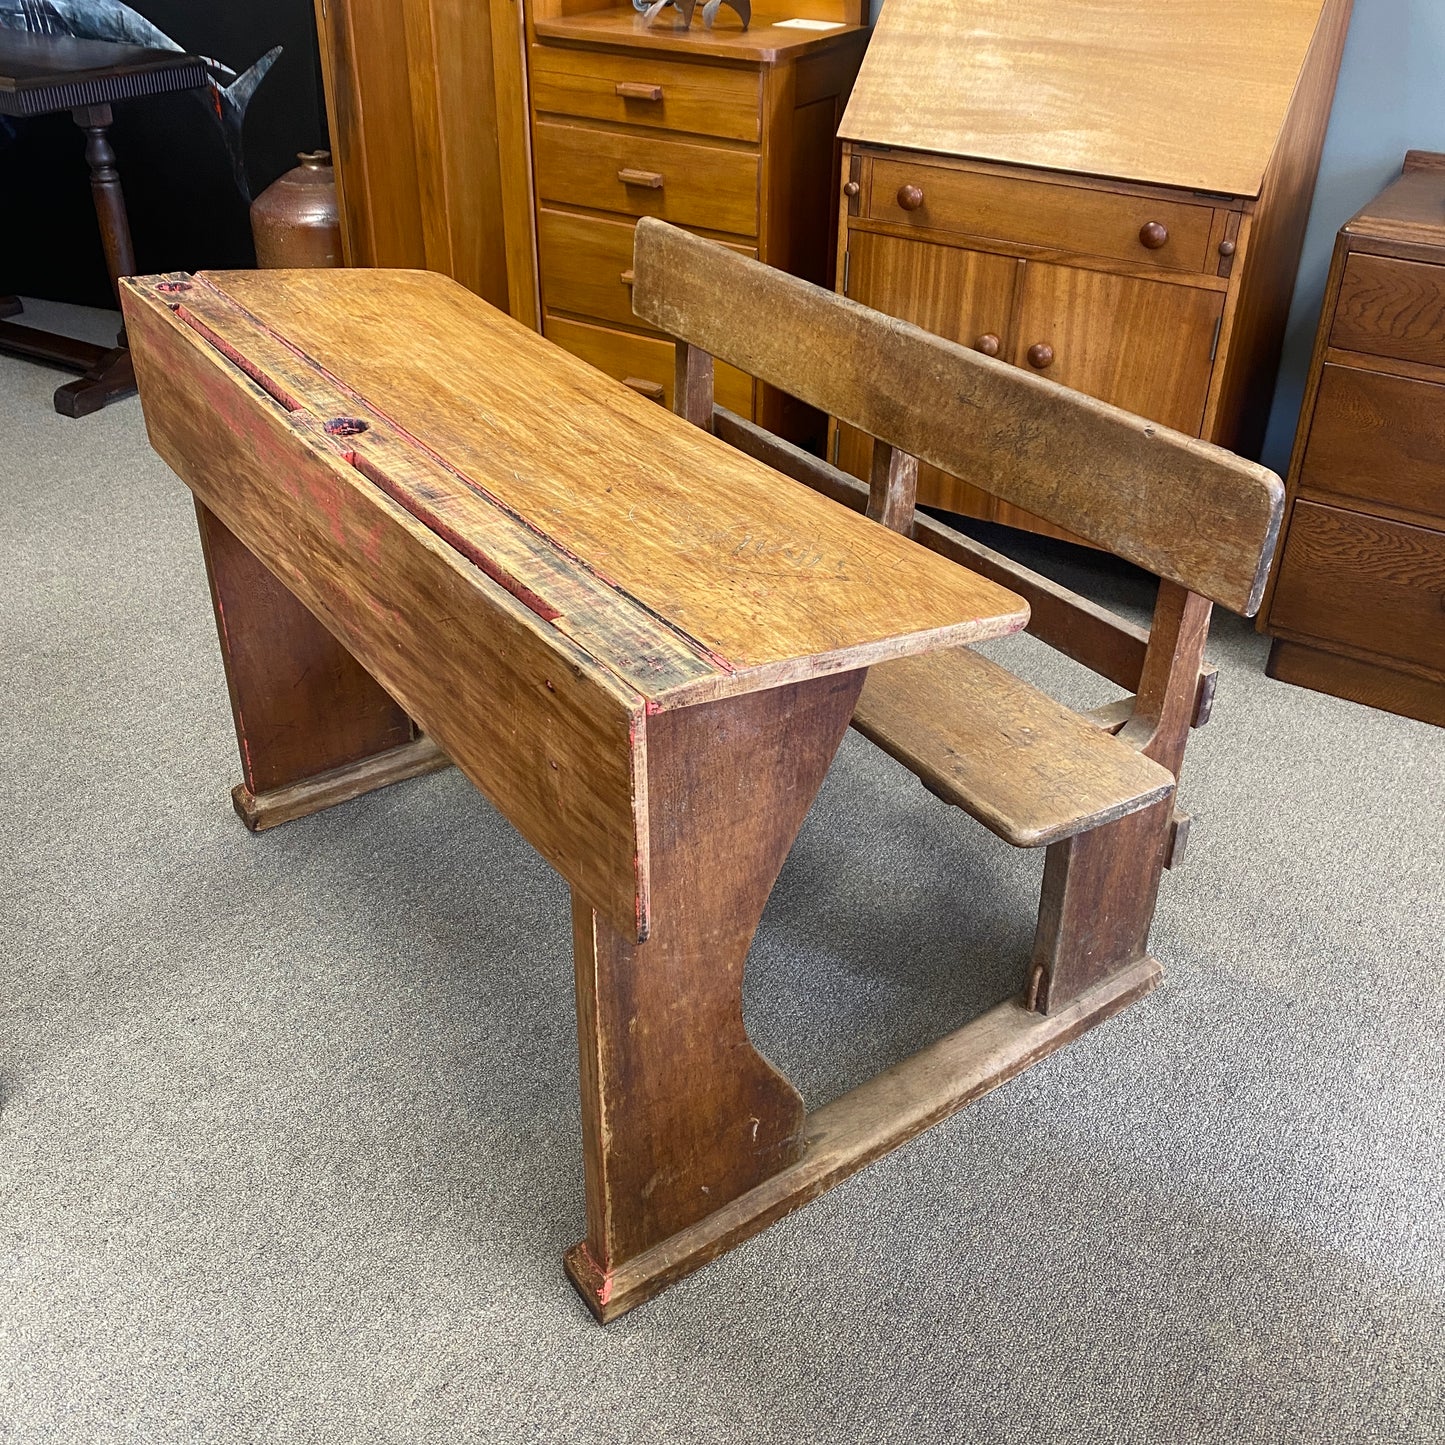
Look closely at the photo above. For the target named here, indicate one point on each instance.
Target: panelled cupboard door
(966, 296)
(962, 295)
(1146, 346)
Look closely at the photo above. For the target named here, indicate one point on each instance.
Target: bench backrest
(1181, 508)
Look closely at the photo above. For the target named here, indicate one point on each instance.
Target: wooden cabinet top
(1189, 93)
(1410, 211)
(770, 38)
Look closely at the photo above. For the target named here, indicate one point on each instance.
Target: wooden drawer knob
(1227, 249)
(1041, 356)
(988, 343)
(1153, 234)
(628, 278)
(652, 390)
(650, 179)
(637, 90)
(910, 197)
(851, 189)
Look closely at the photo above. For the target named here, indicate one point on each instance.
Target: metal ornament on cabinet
(651, 9)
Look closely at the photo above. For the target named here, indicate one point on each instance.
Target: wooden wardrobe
(426, 102)
(1113, 195)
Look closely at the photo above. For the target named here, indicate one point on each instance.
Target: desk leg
(313, 728)
(681, 1115)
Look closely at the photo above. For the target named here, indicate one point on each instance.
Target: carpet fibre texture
(289, 1131)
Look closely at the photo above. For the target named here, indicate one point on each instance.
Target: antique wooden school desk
(642, 646)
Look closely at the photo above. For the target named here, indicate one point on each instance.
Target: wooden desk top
(533, 561)
(43, 73)
(686, 569)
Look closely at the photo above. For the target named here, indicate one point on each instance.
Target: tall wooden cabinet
(1357, 599)
(727, 132)
(1112, 195)
(426, 104)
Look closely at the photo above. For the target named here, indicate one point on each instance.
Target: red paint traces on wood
(427, 515)
(248, 770)
(639, 861)
(604, 1282)
(363, 405)
(272, 388)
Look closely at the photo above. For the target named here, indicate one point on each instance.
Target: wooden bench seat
(1028, 768)
(1097, 789)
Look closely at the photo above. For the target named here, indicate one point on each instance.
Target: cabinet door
(1147, 346)
(958, 294)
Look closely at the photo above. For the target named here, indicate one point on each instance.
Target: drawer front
(1365, 582)
(647, 360)
(1391, 308)
(584, 261)
(640, 175)
(1040, 213)
(671, 95)
(1377, 438)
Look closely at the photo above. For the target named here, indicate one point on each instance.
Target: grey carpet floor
(289, 1128)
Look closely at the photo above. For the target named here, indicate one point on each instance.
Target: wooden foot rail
(844, 1136)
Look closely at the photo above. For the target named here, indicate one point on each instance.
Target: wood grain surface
(1366, 581)
(700, 185)
(1041, 213)
(849, 1133)
(1389, 307)
(551, 737)
(1028, 768)
(1377, 440)
(1144, 346)
(702, 99)
(680, 1113)
(765, 578)
(1190, 93)
(1174, 505)
(763, 42)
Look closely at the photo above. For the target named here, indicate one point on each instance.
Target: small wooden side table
(40, 74)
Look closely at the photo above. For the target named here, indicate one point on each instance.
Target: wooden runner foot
(111, 378)
(877, 1117)
(267, 810)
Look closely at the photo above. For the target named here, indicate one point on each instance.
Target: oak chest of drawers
(729, 133)
(1111, 195)
(1357, 603)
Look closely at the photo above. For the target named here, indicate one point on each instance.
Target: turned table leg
(680, 1113)
(313, 728)
(111, 376)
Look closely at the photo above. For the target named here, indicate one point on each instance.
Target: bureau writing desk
(642, 646)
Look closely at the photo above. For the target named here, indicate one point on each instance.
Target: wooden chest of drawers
(729, 133)
(1114, 196)
(1357, 605)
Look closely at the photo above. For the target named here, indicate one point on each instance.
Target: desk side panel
(553, 741)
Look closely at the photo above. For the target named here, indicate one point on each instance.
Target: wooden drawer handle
(650, 179)
(910, 197)
(652, 390)
(989, 344)
(1041, 356)
(627, 277)
(637, 90)
(851, 189)
(1153, 234)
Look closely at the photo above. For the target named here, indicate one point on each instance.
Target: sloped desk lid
(1189, 93)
